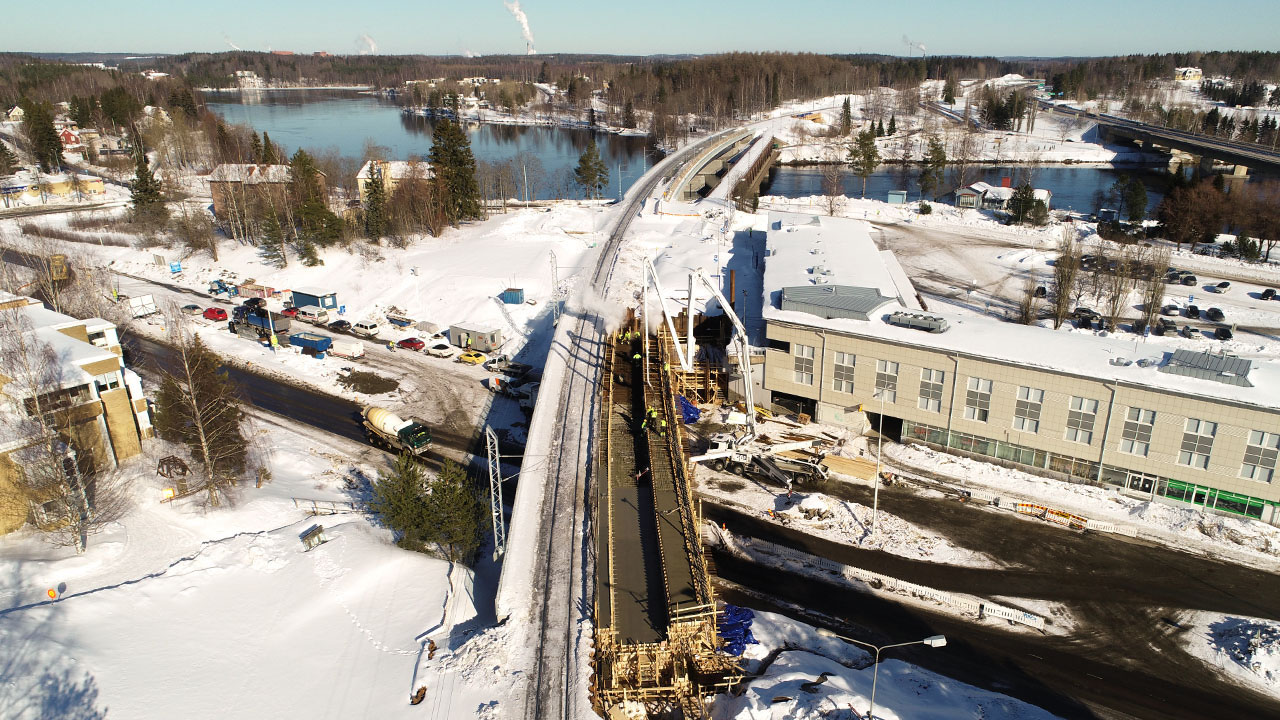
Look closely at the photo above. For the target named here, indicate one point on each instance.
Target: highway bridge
(1207, 148)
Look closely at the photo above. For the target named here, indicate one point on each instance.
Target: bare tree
(832, 185)
(1028, 301)
(1119, 284)
(69, 498)
(1066, 271)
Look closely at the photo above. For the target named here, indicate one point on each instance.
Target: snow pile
(1246, 648)
(811, 677)
(840, 520)
(1192, 522)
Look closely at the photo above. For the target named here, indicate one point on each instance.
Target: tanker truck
(388, 430)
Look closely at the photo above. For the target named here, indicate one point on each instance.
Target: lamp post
(875, 496)
(933, 641)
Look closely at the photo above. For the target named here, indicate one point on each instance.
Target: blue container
(513, 296)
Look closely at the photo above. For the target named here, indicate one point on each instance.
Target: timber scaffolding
(656, 640)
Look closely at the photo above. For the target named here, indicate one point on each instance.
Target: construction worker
(662, 427)
(391, 347)
(636, 358)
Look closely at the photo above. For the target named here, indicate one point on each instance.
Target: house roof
(314, 291)
(395, 169)
(251, 174)
(834, 300)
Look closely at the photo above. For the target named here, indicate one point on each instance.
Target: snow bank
(1245, 648)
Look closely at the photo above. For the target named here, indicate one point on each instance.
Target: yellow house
(100, 409)
(27, 187)
(392, 173)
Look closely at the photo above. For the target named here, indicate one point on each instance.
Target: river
(346, 119)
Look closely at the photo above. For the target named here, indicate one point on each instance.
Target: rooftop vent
(1227, 369)
(918, 321)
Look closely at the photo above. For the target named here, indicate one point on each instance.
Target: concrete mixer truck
(388, 430)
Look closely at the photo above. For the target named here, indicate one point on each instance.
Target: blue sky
(986, 27)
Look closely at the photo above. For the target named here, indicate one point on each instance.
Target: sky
(456, 27)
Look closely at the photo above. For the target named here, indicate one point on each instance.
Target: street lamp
(933, 641)
(875, 496)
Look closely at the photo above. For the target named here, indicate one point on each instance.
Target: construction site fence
(965, 603)
(1071, 520)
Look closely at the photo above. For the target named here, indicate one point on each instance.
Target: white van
(313, 314)
(367, 328)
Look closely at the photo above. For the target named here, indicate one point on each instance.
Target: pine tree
(46, 146)
(455, 169)
(307, 253)
(8, 160)
(591, 172)
(775, 97)
(893, 124)
(628, 115)
(864, 157)
(199, 405)
(148, 200)
(270, 153)
(1135, 199)
(255, 148)
(846, 118)
(454, 514)
(399, 500)
(949, 92)
(880, 128)
(935, 164)
(271, 246)
(1021, 203)
(375, 206)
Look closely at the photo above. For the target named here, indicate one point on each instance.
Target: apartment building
(97, 402)
(845, 330)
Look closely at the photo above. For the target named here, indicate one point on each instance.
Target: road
(1127, 598)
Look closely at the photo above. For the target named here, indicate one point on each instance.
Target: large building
(100, 410)
(392, 172)
(845, 330)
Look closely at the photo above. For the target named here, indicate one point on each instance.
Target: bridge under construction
(656, 639)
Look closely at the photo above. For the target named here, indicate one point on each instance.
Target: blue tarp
(734, 626)
(688, 412)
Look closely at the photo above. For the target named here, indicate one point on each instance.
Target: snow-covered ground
(838, 520)
(805, 675)
(1246, 649)
(182, 610)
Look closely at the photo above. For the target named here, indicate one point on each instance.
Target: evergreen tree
(1135, 199)
(307, 253)
(591, 117)
(949, 92)
(270, 153)
(846, 118)
(148, 200)
(591, 172)
(455, 515)
(271, 246)
(1021, 203)
(8, 160)
(864, 157)
(46, 146)
(375, 206)
(775, 98)
(544, 72)
(935, 165)
(399, 500)
(199, 405)
(455, 169)
(893, 124)
(880, 128)
(628, 115)
(255, 148)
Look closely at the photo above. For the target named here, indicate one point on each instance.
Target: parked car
(1193, 311)
(1215, 314)
(191, 309)
(1169, 310)
(471, 357)
(253, 302)
(340, 326)
(1269, 294)
(1220, 287)
(412, 343)
(441, 349)
(1222, 333)
(290, 312)
(1188, 332)
(1164, 325)
(215, 314)
(1189, 280)
(1083, 313)
(367, 328)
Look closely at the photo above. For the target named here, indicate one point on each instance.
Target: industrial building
(99, 407)
(847, 333)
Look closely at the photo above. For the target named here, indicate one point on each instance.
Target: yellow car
(472, 358)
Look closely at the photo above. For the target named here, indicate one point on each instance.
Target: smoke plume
(233, 45)
(514, 8)
(370, 46)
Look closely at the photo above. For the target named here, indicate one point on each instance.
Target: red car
(215, 314)
(290, 312)
(411, 344)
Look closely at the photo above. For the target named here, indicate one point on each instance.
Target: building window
(931, 389)
(1135, 438)
(977, 400)
(845, 363)
(1260, 456)
(1026, 412)
(804, 364)
(1197, 443)
(109, 381)
(1080, 420)
(887, 381)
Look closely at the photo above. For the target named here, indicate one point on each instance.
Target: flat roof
(855, 261)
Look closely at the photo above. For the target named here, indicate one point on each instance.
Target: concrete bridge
(708, 168)
(1204, 148)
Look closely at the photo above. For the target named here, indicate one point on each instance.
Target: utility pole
(495, 493)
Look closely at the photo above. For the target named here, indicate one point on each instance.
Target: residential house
(1188, 73)
(392, 173)
(70, 139)
(26, 187)
(16, 114)
(990, 197)
(235, 186)
(98, 404)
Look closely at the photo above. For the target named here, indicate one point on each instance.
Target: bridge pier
(1240, 171)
